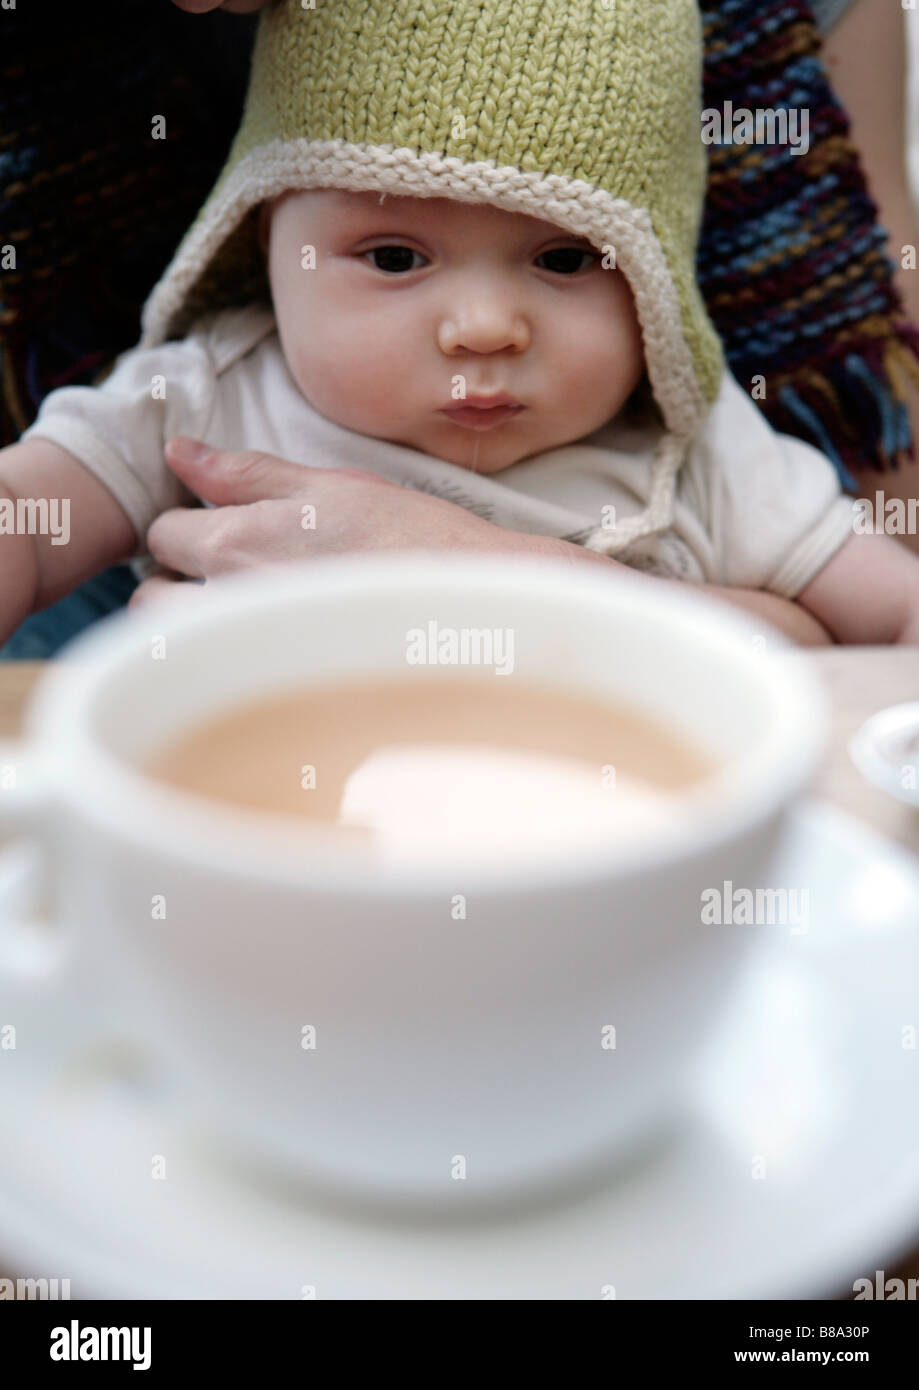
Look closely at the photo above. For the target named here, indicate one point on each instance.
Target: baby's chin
(480, 451)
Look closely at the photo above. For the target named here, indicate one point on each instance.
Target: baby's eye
(392, 259)
(566, 259)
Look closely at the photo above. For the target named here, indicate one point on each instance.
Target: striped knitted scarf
(791, 258)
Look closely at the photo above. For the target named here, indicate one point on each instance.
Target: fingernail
(188, 450)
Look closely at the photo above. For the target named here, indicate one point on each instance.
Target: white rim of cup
(201, 832)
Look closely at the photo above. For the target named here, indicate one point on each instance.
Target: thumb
(232, 477)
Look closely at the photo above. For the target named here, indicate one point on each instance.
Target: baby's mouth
(482, 417)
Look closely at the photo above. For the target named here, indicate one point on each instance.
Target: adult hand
(269, 511)
(235, 6)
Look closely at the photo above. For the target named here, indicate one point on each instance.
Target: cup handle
(47, 980)
(33, 952)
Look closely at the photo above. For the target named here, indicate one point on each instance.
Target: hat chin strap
(658, 514)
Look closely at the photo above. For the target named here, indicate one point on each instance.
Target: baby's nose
(484, 326)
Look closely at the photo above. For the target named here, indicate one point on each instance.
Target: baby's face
(410, 295)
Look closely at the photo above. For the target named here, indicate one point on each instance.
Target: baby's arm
(868, 592)
(34, 571)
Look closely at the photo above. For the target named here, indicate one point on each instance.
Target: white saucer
(807, 1074)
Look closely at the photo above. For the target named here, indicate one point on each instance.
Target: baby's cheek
(615, 356)
(331, 384)
(365, 383)
(314, 372)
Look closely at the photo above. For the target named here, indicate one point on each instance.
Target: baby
(455, 263)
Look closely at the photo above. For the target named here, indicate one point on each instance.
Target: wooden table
(859, 681)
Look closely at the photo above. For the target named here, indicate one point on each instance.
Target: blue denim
(44, 634)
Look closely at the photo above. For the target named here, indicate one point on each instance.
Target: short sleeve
(777, 511)
(118, 429)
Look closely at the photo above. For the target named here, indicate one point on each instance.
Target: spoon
(886, 751)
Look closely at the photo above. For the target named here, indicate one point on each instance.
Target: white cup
(536, 1035)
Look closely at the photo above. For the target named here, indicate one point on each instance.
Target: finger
(159, 589)
(183, 539)
(227, 477)
(204, 542)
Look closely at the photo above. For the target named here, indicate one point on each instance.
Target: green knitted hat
(584, 113)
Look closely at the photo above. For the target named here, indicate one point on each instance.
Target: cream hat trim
(273, 168)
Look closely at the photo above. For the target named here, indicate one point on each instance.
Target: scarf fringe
(855, 410)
